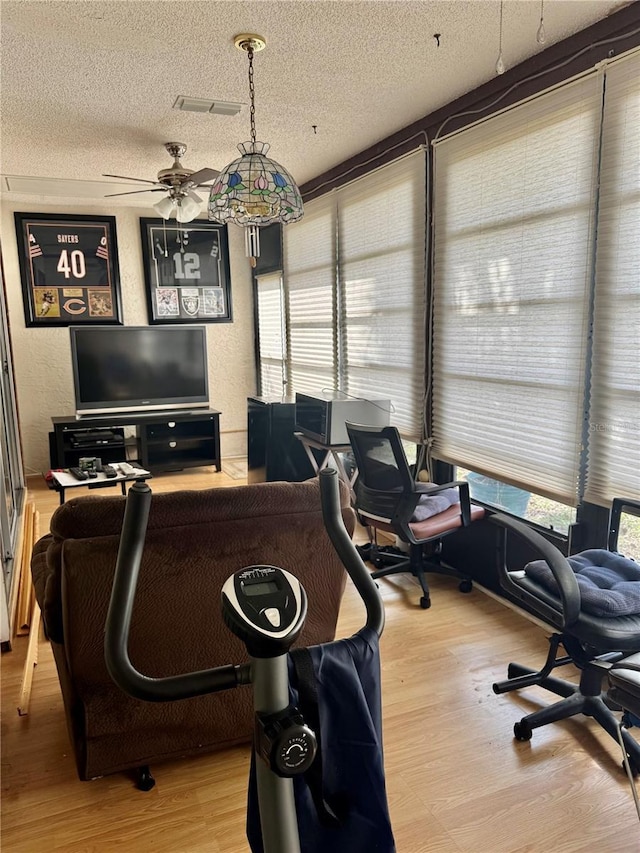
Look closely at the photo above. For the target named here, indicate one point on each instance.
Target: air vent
(206, 105)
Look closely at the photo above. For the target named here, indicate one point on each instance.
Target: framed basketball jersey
(186, 268)
(69, 269)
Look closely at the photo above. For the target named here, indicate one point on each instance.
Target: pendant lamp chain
(252, 94)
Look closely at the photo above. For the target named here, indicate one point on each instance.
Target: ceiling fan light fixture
(254, 190)
(187, 208)
(165, 207)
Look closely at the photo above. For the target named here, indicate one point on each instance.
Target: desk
(329, 452)
(63, 481)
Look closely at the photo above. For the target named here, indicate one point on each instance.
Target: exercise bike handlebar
(118, 622)
(346, 550)
(190, 684)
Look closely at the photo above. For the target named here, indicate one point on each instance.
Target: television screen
(132, 368)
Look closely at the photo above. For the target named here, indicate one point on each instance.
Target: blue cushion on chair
(609, 583)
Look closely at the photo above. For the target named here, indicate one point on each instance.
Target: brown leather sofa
(195, 540)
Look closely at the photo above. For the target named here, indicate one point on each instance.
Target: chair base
(389, 560)
(586, 698)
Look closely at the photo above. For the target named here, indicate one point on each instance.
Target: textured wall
(42, 357)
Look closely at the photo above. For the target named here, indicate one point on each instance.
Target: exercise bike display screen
(265, 607)
(264, 588)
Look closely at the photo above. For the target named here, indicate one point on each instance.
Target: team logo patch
(191, 305)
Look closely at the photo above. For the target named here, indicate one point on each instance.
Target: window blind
(381, 250)
(514, 198)
(271, 338)
(613, 467)
(309, 253)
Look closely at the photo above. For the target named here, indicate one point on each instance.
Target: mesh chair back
(380, 457)
(384, 475)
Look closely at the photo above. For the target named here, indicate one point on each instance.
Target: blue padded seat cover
(347, 674)
(609, 583)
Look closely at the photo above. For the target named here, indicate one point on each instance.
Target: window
(519, 502)
(629, 535)
(514, 201)
(11, 474)
(381, 252)
(309, 262)
(614, 423)
(271, 338)
(354, 287)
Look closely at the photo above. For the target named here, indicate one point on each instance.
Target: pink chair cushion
(443, 522)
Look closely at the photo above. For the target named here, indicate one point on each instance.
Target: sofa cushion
(85, 517)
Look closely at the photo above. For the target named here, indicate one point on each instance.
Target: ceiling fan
(178, 183)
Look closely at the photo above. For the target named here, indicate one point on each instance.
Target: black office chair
(596, 624)
(388, 498)
(624, 690)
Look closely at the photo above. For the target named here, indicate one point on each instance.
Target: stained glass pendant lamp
(254, 190)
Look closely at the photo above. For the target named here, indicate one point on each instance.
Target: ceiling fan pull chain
(164, 230)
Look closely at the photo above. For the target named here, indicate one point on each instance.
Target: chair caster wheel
(144, 779)
(425, 602)
(522, 731)
(465, 586)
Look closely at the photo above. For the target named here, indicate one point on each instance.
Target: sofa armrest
(45, 573)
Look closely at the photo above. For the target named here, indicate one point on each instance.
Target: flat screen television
(135, 368)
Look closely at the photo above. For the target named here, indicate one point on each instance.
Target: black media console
(164, 441)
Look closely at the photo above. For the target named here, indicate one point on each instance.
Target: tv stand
(164, 441)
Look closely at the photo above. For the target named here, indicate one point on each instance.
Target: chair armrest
(568, 587)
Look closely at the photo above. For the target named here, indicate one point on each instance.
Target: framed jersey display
(69, 269)
(186, 269)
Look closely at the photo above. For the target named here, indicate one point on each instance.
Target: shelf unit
(180, 442)
(164, 441)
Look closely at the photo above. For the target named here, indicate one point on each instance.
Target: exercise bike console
(265, 607)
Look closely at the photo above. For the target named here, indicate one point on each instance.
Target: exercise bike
(265, 606)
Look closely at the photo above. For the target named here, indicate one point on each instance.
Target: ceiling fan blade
(137, 180)
(133, 192)
(200, 177)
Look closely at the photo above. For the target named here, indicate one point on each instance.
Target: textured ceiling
(88, 86)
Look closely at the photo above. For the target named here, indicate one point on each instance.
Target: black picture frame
(69, 269)
(186, 271)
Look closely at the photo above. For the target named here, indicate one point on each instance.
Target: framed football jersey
(186, 269)
(69, 269)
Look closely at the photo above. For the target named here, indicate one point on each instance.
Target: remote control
(109, 471)
(78, 474)
(92, 474)
(125, 467)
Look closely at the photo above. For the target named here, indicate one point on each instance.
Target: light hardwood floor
(457, 781)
